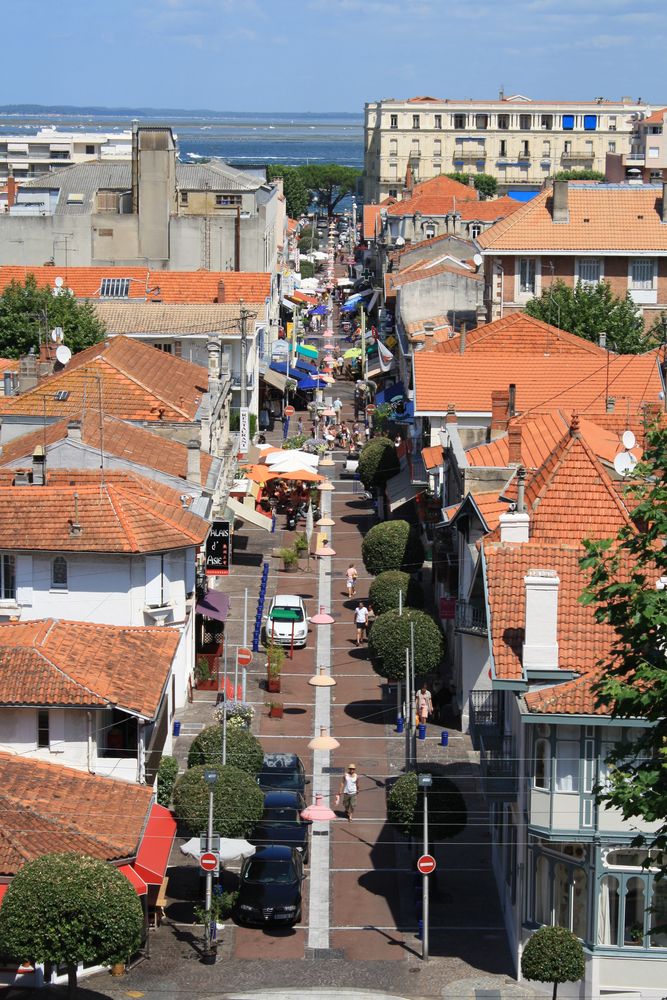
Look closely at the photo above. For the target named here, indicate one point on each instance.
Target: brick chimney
(11, 192)
(514, 435)
(221, 291)
(462, 339)
(515, 524)
(540, 646)
(450, 416)
(193, 474)
(74, 430)
(500, 399)
(560, 211)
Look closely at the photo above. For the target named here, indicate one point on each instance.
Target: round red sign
(244, 656)
(289, 411)
(426, 864)
(209, 861)
(371, 408)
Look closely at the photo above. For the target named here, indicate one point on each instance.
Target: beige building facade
(517, 140)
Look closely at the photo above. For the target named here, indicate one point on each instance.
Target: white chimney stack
(515, 524)
(540, 647)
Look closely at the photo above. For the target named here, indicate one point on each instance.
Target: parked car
(270, 887)
(282, 772)
(282, 823)
(286, 622)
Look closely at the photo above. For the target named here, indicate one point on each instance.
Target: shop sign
(217, 549)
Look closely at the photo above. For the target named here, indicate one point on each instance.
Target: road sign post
(209, 865)
(426, 864)
(209, 862)
(244, 656)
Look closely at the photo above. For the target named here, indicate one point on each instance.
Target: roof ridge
(120, 515)
(509, 221)
(112, 363)
(42, 639)
(139, 500)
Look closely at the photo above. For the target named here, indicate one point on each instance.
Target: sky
(327, 55)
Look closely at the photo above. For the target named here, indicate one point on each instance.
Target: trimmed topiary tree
(167, 773)
(447, 813)
(392, 545)
(553, 955)
(385, 588)
(378, 462)
(238, 801)
(390, 637)
(243, 749)
(70, 908)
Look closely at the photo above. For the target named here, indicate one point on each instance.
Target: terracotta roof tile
(50, 808)
(117, 512)
(519, 332)
(444, 185)
(9, 364)
(489, 506)
(420, 270)
(433, 456)
(571, 698)
(657, 118)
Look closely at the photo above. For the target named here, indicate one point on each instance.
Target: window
(589, 271)
(633, 917)
(503, 122)
(184, 197)
(8, 577)
(612, 123)
(608, 906)
(567, 146)
(115, 288)
(437, 121)
(503, 147)
(481, 121)
(59, 573)
(568, 122)
(642, 271)
(659, 914)
(525, 148)
(75, 198)
(475, 230)
(525, 122)
(542, 776)
(43, 728)
(567, 765)
(459, 121)
(590, 123)
(415, 121)
(546, 148)
(393, 192)
(437, 148)
(527, 275)
(90, 150)
(393, 121)
(393, 147)
(611, 147)
(429, 231)
(228, 199)
(653, 152)
(547, 122)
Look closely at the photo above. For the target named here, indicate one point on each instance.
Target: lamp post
(312, 230)
(425, 783)
(210, 777)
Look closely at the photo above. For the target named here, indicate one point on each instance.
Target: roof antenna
(75, 527)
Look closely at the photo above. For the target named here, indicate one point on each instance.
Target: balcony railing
(577, 154)
(486, 714)
(498, 766)
(469, 155)
(470, 618)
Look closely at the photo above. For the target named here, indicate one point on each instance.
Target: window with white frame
(59, 573)
(567, 765)
(642, 273)
(542, 771)
(527, 271)
(475, 230)
(589, 271)
(8, 577)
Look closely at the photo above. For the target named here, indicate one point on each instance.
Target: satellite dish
(477, 260)
(628, 439)
(624, 463)
(57, 334)
(399, 241)
(59, 282)
(63, 354)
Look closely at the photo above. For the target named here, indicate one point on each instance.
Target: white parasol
(230, 850)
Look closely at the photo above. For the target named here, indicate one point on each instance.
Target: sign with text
(244, 430)
(217, 549)
(447, 608)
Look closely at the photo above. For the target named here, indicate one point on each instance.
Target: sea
(243, 139)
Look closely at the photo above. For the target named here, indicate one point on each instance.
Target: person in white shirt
(349, 787)
(361, 621)
(424, 703)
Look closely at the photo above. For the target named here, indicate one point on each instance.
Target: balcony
(486, 714)
(470, 618)
(498, 767)
(469, 155)
(572, 155)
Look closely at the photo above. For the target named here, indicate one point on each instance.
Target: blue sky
(327, 55)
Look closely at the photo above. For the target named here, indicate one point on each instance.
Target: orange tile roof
(433, 456)
(434, 204)
(581, 640)
(575, 697)
(164, 286)
(371, 222)
(601, 217)
(489, 505)
(439, 330)
(420, 270)
(47, 808)
(136, 382)
(9, 364)
(63, 663)
(657, 118)
(521, 333)
(541, 382)
(117, 437)
(444, 185)
(117, 512)
(292, 225)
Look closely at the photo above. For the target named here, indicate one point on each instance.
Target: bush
(447, 813)
(243, 749)
(306, 269)
(167, 773)
(385, 588)
(239, 713)
(390, 637)
(378, 462)
(579, 175)
(238, 802)
(392, 545)
(553, 955)
(289, 556)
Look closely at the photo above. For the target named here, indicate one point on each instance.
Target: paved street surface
(363, 936)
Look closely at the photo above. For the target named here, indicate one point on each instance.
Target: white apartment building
(26, 155)
(517, 140)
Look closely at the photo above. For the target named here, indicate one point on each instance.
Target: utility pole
(210, 777)
(425, 782)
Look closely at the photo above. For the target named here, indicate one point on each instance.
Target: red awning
(3, 890)
(155, 847)
(136, 880)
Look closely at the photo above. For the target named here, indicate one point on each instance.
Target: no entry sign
(209, 861)
(371, 408)
(426, 864)
(289, 411)
(244, 656)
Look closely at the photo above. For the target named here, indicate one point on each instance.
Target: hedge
(243, 749)
(378, 462)
(238, 802)
(392, 545)
(385, 588)
(447, 813)
(390, 637)
(553, 955)
(167, 773)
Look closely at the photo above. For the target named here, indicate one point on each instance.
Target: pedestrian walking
(351, 580)
(424, 703)
(338, 405)
(371, 618)
(361, 621)
(348, 789)
(299, 426)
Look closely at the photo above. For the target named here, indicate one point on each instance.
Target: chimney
(559, 209)
(610, 404)
(193, 474)
(514, 435)
(221, 291)
(11, 192)
(74, 430)
(75, 527)
(602, 338)
(515, 524)
(663, 211)
(511, 405)
(499, 413)
(540, 646)
(39, 466)
(450, 417)
(462, 340)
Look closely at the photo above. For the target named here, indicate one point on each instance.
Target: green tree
(485, 185)
(447, 809)
(385, 588)
(238, 801)
(460, 177)
(589, 310)
(579, 175)
(626, 588)
(70, 908)
(390, 637)
(294, 189)
(167, 773)
(392, 545)
(553, 955)
(308, 240)
(28, 313)
(243, 749)
(378, 462)
(331, 182)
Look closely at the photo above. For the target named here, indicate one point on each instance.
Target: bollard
(444, 738)
(422, 731)
(420, 930)
(177, 728)
(400, 724)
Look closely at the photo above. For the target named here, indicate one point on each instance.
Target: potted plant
(275, 709)
(274, 664)
(301, 544)
(204, 680)
(290, 558)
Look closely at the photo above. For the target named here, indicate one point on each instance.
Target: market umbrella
(353, 352)
(293, 454)
(259, 473)
(230, 849)
(299, 475)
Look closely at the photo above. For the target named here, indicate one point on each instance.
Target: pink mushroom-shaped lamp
(318, 812)
(323, 618)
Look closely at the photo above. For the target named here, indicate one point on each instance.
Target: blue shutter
(568, 121)
(590, 122)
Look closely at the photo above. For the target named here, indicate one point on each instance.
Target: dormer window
(115, 288)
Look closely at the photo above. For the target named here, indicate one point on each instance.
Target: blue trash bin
(400, 724)
(177, 728)
(444, 738)
(422, 731)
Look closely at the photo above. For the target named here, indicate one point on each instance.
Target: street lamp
(210, 777)
(425, 781)
(323, 741)
(322, 678)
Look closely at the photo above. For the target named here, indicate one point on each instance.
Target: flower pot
(273, 684)
(209, 685)
(276, 712)
(118, 969)
(210, 957)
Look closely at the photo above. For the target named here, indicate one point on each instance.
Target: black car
(282, 823)
(282, 772)
(270, 890)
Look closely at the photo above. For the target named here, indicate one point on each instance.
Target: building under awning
(214, 604)
(400, 490)
(155, 847)
(246, 512)
(274, 379)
